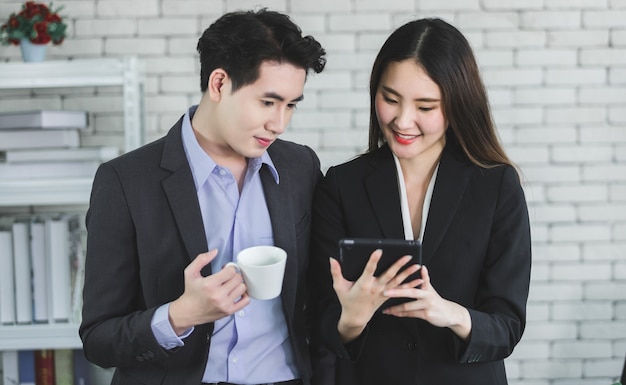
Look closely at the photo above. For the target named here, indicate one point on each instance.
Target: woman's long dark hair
(446, 56)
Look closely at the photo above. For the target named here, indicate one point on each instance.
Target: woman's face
(409, 112)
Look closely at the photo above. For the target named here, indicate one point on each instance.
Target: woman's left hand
(431, 307)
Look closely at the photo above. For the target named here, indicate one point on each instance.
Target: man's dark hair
(239, 42)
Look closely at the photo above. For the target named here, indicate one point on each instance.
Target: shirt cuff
(163, 331)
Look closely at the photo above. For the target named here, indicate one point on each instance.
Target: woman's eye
(389, 100)
(426, 108)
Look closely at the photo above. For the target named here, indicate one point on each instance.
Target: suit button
(139, 358)
(411, 345)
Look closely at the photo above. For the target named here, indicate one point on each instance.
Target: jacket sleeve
(327, 228)
(499, 314)
(115, 329)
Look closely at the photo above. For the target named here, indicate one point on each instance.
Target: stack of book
(46, 144)
(42, 259)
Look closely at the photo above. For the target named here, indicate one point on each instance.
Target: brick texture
(555, 72)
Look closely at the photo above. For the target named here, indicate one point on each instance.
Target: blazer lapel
(450, 184)
(181, 193)
(280, 206)
(382, 189)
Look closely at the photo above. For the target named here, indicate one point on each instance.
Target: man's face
(252, 117)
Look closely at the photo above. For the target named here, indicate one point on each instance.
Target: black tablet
(355, 252)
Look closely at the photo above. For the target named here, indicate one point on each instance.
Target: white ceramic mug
(263, 269)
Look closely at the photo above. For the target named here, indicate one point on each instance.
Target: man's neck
(220, 152)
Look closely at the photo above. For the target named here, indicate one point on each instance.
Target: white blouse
(404, 202)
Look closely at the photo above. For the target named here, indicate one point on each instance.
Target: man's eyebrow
(392, 91)
(274, 95)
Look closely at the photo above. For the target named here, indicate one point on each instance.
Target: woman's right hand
(360, 300)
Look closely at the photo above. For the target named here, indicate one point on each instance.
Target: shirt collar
(202, 164)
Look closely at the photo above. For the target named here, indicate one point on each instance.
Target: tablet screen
(355, 252)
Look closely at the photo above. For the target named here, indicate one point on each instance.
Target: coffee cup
(263, 269)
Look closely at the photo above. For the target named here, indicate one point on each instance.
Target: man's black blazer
(144, 227)
(477, 249)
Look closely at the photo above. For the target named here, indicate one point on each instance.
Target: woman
(436, 172)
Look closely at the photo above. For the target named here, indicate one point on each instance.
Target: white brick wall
(556, 75)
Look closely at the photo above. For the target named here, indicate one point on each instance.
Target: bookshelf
(34, 337)
(126, 72)
(57, 192)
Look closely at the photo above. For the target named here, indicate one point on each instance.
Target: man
(164, 219)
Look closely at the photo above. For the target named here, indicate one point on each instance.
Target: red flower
(52, 18)
(43, 37)
(13, 22)
(30, 11)
(31, 6)
(36, 22)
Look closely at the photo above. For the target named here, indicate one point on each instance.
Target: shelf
(63, 73)
(35, 192)
(45, 336)
(125, 72)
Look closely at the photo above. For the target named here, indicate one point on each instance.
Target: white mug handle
(233, 264)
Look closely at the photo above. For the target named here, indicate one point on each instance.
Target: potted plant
(35, 26)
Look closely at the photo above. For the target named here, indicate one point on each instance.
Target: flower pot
(32, 52)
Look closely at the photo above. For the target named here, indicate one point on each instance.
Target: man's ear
(217, 84)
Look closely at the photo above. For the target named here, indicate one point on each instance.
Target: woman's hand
(360, 300)
(431, 307)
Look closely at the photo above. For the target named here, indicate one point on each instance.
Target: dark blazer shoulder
(453, 157)
(165, 152)
(292, 155)
(364, 164)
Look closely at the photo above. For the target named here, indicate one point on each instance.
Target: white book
(7, 292)
(22, 273)
(40, 275)
(10, 367)
(59, 265)
(100, 154)
(43, 119)
(49, 170)
(12, 139)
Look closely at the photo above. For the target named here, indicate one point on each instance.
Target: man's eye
(292, 106)
(267, 103)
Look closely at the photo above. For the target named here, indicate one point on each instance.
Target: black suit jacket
(144, 227)
(477, 249)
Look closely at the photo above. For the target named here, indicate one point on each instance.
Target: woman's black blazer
(478, 251)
